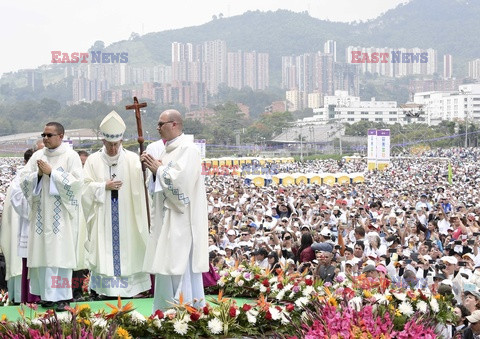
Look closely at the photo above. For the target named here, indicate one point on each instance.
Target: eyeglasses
(48, 135)
(161, 123)
(287, 237)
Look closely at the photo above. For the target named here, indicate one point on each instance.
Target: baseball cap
(474, 317)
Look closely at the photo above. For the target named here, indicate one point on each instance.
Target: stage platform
(143, 305)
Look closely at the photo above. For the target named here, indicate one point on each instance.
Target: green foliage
(225, 123)
(267, 126)
(255, 100)
(282, 33)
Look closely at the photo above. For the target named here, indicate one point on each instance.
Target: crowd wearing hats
(407, 223)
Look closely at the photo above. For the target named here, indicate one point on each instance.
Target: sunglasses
(287, 237)
(161, 123)
(244, 233)
(48, 135)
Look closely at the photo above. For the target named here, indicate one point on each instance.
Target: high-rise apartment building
(474, 69)
(447, 66)
(235, 69)
(215, 64)
(330, 47)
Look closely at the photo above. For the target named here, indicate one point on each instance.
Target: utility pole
(301, 145)
(466, 120)
(466, 129)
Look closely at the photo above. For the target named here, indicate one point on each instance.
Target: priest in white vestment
(11, 226)
(114, 206)
(14, 239)
(177, 249)
(51, 182)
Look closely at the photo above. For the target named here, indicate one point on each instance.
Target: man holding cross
(177, 250)
(114, 205)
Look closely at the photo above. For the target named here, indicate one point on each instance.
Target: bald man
(177, 249)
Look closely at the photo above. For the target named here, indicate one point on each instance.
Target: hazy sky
(31, 28)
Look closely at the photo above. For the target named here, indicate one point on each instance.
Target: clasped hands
(43, 168)
(151, 163)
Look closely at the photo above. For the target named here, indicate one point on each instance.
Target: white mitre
(112, 127)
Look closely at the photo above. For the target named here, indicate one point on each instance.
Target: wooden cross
(136, 106)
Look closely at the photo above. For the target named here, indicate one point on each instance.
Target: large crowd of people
(412, 223)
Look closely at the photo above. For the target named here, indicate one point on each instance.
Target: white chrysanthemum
(301, 301)
(304, 316)
(287, 287)
(399, 296)
(355, 303)
(180, 327)
(291, 295)
(422, 306)
(99, 322)
(215, 326)
(137, 317)
(406, 308)
(274, 313)
(308, 290)
(240, 283)
(434, 305)
(273, 280)
(263, 289)
(280, 295)
(381, 298)
(64, 316)
(221, 282)
(235, 274)
(157, 323)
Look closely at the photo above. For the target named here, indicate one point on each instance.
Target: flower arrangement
(289, 305)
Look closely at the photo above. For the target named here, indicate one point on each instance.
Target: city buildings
(195, 73)
(345, 108)
(450, 105)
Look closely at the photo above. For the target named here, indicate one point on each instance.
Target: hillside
(446, 25)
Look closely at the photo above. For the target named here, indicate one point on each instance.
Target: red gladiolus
(290, 307)
(265, 283)
(246, 307)
(268, 316)
(195, 316)
(159, 314)
(280, 286)
(308, 282)
(257, 276)
(206, 311)
(232, 312)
